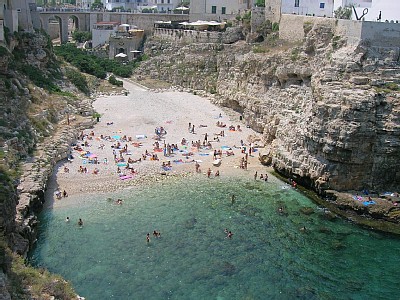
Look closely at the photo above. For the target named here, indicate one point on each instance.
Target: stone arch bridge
(85, 20)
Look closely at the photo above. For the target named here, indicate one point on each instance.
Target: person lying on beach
(229, 153)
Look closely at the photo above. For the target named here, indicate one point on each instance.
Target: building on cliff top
(217, 10)
(318, 8)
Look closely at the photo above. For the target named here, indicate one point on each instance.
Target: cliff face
(35, 101)
(328, 111)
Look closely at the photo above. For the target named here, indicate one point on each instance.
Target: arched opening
(73, 24)
(121, 50)
(55, 29)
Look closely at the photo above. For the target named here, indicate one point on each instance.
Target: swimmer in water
(233, 199)
(67, 219)
(156, 233)
(230, 234)
(148, 238)
(80, 222)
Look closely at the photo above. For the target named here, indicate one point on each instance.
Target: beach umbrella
(124, 25)
(182, 8)
(121, 55)
(92, 155)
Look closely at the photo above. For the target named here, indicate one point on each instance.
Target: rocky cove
(328, 113)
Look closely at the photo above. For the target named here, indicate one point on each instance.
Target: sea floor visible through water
(268, 256)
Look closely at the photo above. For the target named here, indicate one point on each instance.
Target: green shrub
(91, 64)
(78, 80)
(115, 81)
(39, 78)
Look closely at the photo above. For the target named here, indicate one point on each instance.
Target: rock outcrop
(329, 111)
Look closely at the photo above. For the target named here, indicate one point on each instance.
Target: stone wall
(231, 35)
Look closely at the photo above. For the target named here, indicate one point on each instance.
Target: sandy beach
(130, 122)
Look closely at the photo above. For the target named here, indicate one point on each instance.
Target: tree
(343, 12)
(97, 4)
(81, 36)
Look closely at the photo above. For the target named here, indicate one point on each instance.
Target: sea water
(268, 257)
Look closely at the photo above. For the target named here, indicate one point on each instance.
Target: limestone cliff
(35, 99)
(328, 111)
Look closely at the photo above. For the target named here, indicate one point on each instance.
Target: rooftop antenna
(364, 13)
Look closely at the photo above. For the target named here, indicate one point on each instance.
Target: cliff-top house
(217, 10)
(318, 8)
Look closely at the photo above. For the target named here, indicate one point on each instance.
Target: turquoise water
(268, 257)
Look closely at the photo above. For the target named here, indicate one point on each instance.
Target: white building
(318, 8)
(165, 6)
(101, 32)
(131, 5)
(217, 10)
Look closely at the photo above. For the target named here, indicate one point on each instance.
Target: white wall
(100, 37)
(308, 7)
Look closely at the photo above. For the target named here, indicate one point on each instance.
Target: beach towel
(225, 148)
(121, 164)
(204, 154)
(116, 137)
(358, 198)
(366, 203)
(158, 150)
(124, 177)
(167, 168)
(141, 136)
(178, 161)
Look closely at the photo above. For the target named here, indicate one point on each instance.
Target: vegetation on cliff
(36, 92)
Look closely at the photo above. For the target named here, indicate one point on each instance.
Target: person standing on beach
(255, 175)
(193, 129)
(209, 173)
(190, 127)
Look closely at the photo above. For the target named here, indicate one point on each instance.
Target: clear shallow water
(267, 258)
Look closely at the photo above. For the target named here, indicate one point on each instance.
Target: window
(223, 10)
(296, 3)
(322, 5)
(213, 9)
